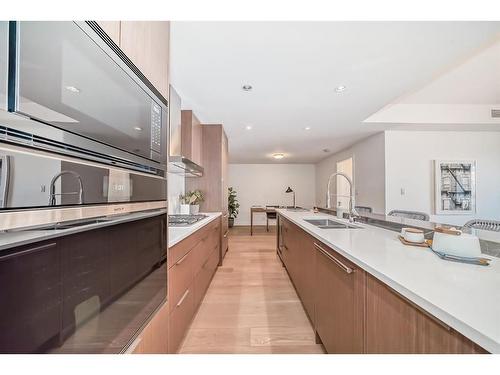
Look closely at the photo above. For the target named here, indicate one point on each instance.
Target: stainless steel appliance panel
(4, 44)
(37, 179)
(68, 77)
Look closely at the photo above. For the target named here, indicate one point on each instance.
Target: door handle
(347, 269)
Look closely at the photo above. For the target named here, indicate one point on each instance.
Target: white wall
(409, 165)
(261, 184)
(369, 173)
(176, 187)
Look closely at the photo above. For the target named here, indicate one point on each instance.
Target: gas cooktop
(184, 220)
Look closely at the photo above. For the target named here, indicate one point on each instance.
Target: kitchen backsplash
(176, 187)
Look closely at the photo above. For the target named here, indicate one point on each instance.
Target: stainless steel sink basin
(329, 224)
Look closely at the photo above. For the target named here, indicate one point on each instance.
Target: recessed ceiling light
(340, 88)
(73, 89)
(137, 128)
(247, 87)
(307, 128)
(278, 156)
(248, 127)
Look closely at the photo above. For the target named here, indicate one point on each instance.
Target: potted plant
(232, 206)
(190, 202)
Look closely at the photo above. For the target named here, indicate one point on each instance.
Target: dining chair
(483, 224)
(410, 214)
(270, 215)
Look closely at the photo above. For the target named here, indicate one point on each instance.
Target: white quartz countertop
(177, 234)
(464, 296)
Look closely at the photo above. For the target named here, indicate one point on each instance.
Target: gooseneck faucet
(352, 210)
(52, 197)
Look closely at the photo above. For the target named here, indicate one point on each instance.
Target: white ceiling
(294, 68)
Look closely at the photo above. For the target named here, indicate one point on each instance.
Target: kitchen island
(425, 291)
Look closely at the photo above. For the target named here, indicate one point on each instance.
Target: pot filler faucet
(352, 210)
(52, 197)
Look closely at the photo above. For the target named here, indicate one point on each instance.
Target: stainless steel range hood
(184, 166)
(179, 164)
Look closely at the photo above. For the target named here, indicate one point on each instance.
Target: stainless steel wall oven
(83, 191)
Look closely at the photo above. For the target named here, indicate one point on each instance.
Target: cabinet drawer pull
(285, 247)
(182, 298)
(225, 234)
(182, 259)
(224, 216)
(335, 260)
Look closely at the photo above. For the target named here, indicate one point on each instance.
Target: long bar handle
(182, 298)
(347, 269)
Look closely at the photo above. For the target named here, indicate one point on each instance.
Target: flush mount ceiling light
(247, 87)
(307, 128)
(137, 128)
(73, 89)
(278, 156)
(248, 127)
(340, 88)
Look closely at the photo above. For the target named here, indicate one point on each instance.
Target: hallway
(251, 305)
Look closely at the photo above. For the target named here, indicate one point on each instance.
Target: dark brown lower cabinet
(339, 302)
(354, 312)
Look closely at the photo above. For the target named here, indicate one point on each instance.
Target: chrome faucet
(52, 197)
(352, 211)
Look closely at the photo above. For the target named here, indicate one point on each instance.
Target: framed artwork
(455, 182)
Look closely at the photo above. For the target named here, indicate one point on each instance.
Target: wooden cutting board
(426, 243)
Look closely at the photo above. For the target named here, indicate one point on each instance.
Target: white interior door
(343, 166)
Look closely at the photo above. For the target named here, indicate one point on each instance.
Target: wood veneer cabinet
(396, 325)
(213, 184)
(353, 311)
(339, 303)
(154, 337)
(191, 137)
(112, 28)
(191, 266)
(146, 44)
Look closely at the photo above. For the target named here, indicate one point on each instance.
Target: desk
(258, 209)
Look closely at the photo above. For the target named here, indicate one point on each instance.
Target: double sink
(330, 224)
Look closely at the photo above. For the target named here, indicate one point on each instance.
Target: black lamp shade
(289, 190)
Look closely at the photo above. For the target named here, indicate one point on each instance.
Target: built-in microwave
(80, 91)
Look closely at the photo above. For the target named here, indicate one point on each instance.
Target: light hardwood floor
(251, 305)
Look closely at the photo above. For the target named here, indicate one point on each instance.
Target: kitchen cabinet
(391, 322)
(146, 44)
(339, 305)
(396, 325)
(112, 28)
(191, 137)
(191, 266)
(297, 254)
(153, 339)
(213, 183)
(354, 312)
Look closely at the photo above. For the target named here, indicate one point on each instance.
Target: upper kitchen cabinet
(191, 135)
(112, 28)
(146, 43)
(213, 183)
